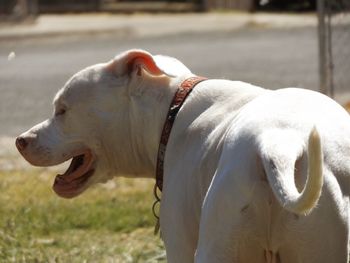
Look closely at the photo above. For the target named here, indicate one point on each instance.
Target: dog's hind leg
(226, 225)
(320, 237)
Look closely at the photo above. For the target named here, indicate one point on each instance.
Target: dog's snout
(21, 143)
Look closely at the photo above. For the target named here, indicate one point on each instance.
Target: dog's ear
(134, 60)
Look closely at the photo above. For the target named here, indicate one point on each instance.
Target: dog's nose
(21, 143)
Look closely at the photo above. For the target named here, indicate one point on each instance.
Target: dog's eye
(60, 112)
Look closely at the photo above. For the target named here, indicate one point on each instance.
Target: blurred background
(269, 43)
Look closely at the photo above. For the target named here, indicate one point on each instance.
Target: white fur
(247, 177)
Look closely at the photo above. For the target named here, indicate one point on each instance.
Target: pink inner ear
(132, 58)
(145, 59)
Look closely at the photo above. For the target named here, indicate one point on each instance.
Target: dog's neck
(146, 122)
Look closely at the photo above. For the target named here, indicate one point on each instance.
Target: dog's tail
(279, 153)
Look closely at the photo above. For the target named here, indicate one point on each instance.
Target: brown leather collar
(179, 98)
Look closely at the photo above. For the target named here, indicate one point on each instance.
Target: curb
(144, 25)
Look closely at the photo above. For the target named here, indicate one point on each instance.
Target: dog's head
(99, 116)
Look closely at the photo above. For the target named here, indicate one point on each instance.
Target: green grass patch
(108, 223)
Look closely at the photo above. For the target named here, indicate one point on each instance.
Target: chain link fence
(334, 46)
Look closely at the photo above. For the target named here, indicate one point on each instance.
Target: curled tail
(279, 153)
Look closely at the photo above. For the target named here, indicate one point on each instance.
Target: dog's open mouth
(73, 181)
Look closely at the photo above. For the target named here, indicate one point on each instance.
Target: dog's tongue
(72, 188)
(63, 181)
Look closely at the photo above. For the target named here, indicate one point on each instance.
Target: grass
(108, 223)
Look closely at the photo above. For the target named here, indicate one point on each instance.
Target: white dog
(250, 175)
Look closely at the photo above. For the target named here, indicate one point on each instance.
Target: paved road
(272, 58)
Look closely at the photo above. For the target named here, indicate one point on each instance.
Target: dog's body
(236, 158)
